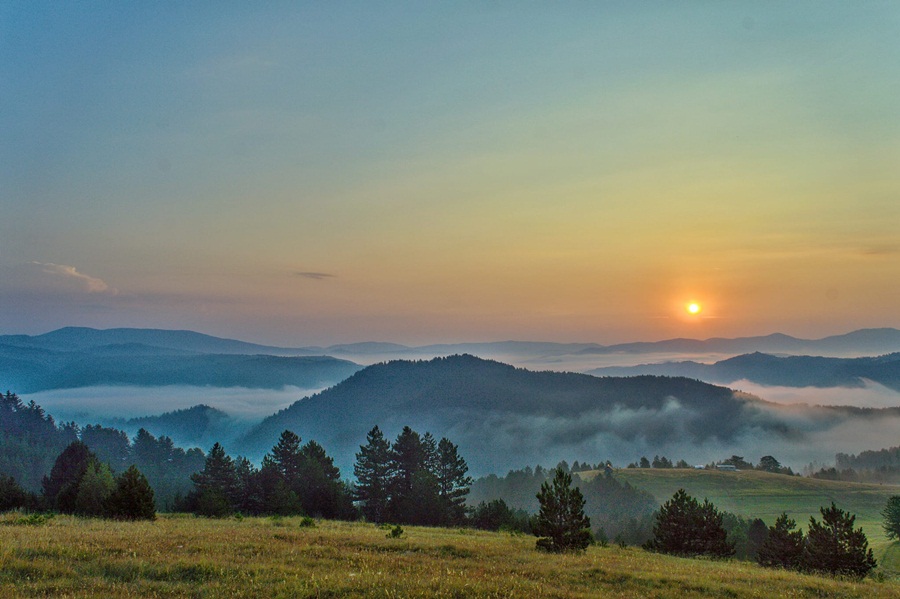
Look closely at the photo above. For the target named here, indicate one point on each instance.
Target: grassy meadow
(760, 494)
(184, 556)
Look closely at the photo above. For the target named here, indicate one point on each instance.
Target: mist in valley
(787, 424)
(86, 405)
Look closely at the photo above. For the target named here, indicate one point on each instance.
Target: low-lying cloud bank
(870, 395)
(87, 404)
(494, 441)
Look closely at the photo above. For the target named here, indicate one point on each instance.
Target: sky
(300, 173)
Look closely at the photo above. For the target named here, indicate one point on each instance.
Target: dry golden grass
(183, 556)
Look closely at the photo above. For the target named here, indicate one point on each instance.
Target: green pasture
(763, 495)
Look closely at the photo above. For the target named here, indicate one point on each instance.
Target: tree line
(31, 440)
(414, 480)
(766, 463)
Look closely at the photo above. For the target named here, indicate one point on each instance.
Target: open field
(761, 494)
(183, 556)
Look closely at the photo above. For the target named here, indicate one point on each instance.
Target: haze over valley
(200, 389)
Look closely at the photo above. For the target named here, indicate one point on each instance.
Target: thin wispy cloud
(318, 276)
(880, 250)
(89, 283)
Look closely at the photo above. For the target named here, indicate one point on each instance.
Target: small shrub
(396, 532)
(307, 522)
(30, 520)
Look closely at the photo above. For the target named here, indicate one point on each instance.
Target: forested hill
(504, 416)
(31, 369)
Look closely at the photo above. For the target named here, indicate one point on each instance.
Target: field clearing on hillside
(183, 556)
(753, 493)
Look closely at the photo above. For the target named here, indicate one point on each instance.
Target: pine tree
(891, 515)
(407, 461)
(453, 484)
(372, 471)
(834, 546)
(276, 497)
(287, 457)
(216, 486)
(12, 495)
(757, 533)
(783, 545)
(686, 527)
(561, 522)
(320, 490)
(132, 499)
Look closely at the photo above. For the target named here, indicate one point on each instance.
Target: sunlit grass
(183, 556)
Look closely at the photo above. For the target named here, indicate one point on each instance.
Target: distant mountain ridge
(873, 341)
(81, 338)
(789, 371)
(863, 341)
(80, 357)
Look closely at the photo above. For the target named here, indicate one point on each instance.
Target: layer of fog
(797, 436)
(87, 404)
(871, 395)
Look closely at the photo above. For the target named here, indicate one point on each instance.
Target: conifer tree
(561, 523)
(320, 490)
(287, 457)
(407, 461)
(783, 545)
(132, 499)
(834, 546)
(453, 484)
(891, 515)
(12, 495)
(686, 527)
(372, 471)
(276, 497)
(217, 488)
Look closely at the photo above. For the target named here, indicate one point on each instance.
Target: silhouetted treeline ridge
(874, 466)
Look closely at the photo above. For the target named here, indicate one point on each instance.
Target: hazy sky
(417, 172)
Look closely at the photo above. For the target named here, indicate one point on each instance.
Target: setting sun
(693, 308)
